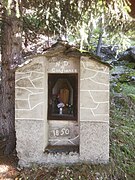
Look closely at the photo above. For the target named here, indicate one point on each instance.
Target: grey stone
(88, 115)
(101, 78)
(59, 135)
(35, 113)
(35, 99)
(38, 67)
(22, 104)
(87, 84)
(94, 142)
(100, 96)
(22, 93)
(38, 83)
(35, 75)
(89, 63)
(86, 100)
(30, 138)
(87, 73)
(24, 82)
(35, 90)
(102, 108)
(22, 74)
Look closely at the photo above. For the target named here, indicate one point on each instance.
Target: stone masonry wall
(94, 111)
(30, 124)
(31, 113)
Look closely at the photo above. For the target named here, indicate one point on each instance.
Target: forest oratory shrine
(62, 108)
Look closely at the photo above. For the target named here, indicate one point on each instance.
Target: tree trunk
(11, 56)
(99, 45)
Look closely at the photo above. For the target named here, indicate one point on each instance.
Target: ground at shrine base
(120, 167)
(10, 171)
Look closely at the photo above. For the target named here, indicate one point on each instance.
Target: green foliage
(66, 17)
(80, 21)
(122, 131)
(128, 89)
(132, 97)
(122, 140)
(125, 77)
(131, 65)
(117, 87)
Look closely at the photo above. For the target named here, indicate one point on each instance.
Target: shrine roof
(63, 48)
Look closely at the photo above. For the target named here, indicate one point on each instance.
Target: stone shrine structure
(62, 108)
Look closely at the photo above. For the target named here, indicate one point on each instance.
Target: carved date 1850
(60, 132)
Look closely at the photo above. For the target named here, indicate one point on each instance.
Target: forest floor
(121, 165)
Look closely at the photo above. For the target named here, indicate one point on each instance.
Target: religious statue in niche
(62, 96)
(62, 100)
